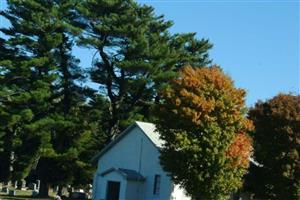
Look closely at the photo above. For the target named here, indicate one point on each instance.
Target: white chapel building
(129, 168)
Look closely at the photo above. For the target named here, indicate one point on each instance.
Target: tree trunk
(44, 189)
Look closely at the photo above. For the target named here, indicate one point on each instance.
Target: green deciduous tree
(277, 148)
(134, 54)
(202, 120)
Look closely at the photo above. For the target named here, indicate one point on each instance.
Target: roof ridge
(148, 128)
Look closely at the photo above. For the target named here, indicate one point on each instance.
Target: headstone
(15, 184)
(90, 191)
(56, 189)
(12, 193)
(35, 187)
(80, 190)
(38, 183)
(23, 185)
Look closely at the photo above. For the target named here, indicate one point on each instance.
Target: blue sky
(256, 42)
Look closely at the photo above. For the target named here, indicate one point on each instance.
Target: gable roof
(126, 173)
(148, 129)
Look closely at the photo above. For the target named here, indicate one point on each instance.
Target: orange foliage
(202, 119)
(240, 150)
(204, 95)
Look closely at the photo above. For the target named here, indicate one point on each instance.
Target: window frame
(156, 184)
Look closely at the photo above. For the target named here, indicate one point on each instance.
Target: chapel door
(113, 190)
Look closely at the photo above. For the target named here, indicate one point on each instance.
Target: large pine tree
(26, 76)
(47, 117)
(6, 134)
(134, 55)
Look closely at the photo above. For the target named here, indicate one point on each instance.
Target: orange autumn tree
(202, 120)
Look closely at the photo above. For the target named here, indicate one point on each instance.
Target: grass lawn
(5, 197)
(21, 195)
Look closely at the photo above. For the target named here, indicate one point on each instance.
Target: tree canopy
(51, 123)
(202, 120)
(277, 148)
(44, 118)
(135, 54)
(25, 76)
